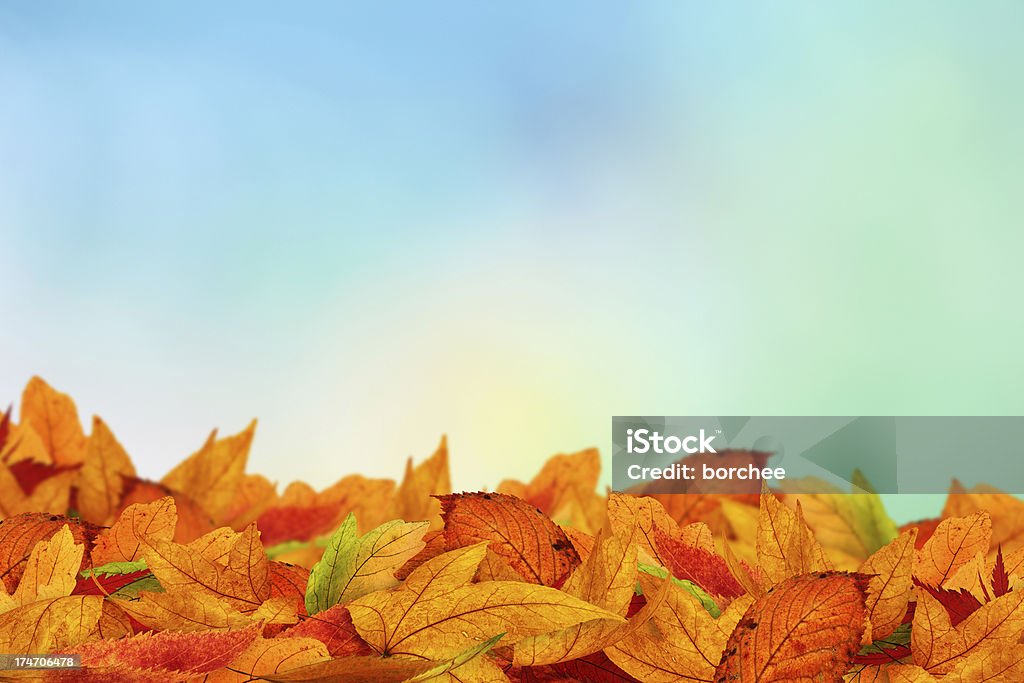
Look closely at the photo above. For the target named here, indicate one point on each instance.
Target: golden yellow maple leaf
(908, 673)
(23, 443)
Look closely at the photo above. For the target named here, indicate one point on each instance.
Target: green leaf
(354, 565)
(690, 587)
(115, 569)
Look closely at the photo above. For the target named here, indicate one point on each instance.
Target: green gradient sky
(371, 226)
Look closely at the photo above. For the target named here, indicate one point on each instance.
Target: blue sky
(369, 225)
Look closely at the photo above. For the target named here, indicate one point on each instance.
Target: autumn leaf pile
(211, 574)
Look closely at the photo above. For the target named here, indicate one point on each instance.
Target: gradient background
(369, 225)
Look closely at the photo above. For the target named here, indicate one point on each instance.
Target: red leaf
(959, 604)
(1000, 579)
(30, 473)
(595, 668)
(635, 605)
(332, 627)
(107, 584)
(289, 581)
(886, 656)
(192, 653)
(5, 428)
(707, 570)
(296, 523)
(925, 529)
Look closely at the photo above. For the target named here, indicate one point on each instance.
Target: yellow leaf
(681, 641)
(52, 494)
(269, 656)
(953, 544)
(908, 673)
(476, 670)
(974, 577)
(354, 565)
(931, 624)
(890, 586)
(607, 579)
(990, 665)
(469, 666)
(101, 479)
(564, 490)
(7, 601)
(435, 615)
(183, 611)
(941, 648)
(51, 570)
(430, 477)
(786, 547)
(634, 519)
(43, 626)
(255, 494)
(13, 500)
(213, 475)
(54, 418)
(229, 566)
(137, 527)
(849, 526)
(1006, 511)
(23, 443)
